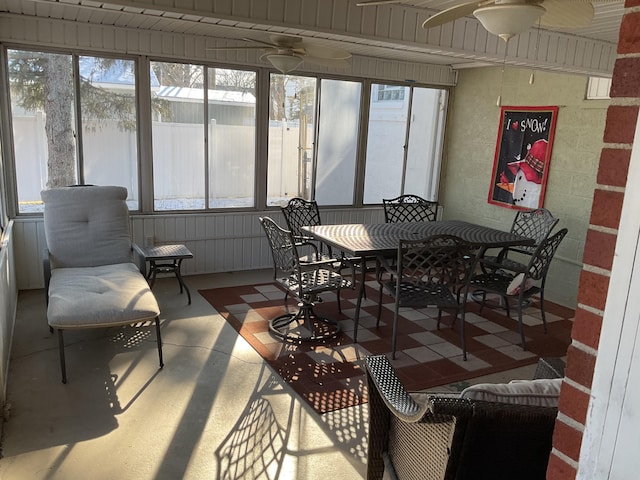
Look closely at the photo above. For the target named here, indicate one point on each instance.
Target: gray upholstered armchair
(91, 279)
(488, 432)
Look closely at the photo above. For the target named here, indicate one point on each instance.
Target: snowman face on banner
(525, 193)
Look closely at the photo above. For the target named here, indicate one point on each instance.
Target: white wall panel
(28, 251)
(8, 305)
(220, 242)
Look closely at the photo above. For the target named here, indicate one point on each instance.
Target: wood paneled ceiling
(387, 31)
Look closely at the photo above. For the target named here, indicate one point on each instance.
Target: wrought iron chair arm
(500, 264)
(383, 265)
(330, 263)
(305, 242)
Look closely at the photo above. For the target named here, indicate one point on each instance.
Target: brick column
(619, 131)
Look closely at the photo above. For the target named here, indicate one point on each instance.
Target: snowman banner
(523, 151)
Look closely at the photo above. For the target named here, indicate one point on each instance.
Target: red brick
(580, 366)
(631, 3)
(614, 166)
(574, 403)
(599, 249)
(592, 289)
(620, 126)
(629, 39)
(606, 208)
(567, 440)
(558, 469)
(626, 78)
(586, 328)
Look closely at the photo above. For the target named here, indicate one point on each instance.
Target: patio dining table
(370, 240)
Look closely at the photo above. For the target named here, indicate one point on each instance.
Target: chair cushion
(87, 226)
(541, 392)
(99, 296)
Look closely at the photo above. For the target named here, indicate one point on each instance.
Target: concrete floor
(215, 411)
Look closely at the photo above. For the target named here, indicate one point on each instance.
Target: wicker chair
(536, 224)
(428, 272)
(436, 437)
(531, 282)
(409, 208)
(304, 281)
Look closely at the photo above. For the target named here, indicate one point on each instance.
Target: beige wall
(470, 146)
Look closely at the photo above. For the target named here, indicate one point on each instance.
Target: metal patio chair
(409, 208)
(305, 282)
(298, 213)
(536, 224)
(530, 280)
(429, 272)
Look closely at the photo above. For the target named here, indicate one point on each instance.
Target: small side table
(166, 259)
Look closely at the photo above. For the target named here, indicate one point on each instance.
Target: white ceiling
(605, 25)
(225, 29)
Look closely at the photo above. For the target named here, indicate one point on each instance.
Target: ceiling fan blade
(243, 47)
(285, 41)
(262, 42)
(376, 2)
(451, 14)
(327, 62)
(563, 14)
(328, 53)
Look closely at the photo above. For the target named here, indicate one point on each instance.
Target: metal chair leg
(462, 336)
(159, 339)
(544, 316)
(379, 307)
(63, 366)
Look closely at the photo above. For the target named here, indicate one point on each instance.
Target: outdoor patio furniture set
(93, 279)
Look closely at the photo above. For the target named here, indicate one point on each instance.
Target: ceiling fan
(286, 53)
(507, 18)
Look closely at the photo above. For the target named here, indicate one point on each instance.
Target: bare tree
(58, 104)
(238, 80)
(44, 82)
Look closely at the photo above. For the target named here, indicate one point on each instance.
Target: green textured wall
(470, 146)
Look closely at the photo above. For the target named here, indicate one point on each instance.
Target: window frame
(11, 203)
(434, 167)
(144, 162)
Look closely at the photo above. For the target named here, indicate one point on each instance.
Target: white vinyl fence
(111, 159)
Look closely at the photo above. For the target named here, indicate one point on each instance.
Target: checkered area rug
(328, 374)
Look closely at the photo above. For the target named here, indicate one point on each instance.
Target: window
(178, 132)
(109, 133)
(203, 137)
(50, 149)
(404, 144)
(390, 92)
(232, 138)
(598, 88)
(42, 131)
(292, 116)
(300, 165)
(203, 143)
(337, 141)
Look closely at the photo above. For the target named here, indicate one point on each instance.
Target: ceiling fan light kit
(508, 19)
(284, 63)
